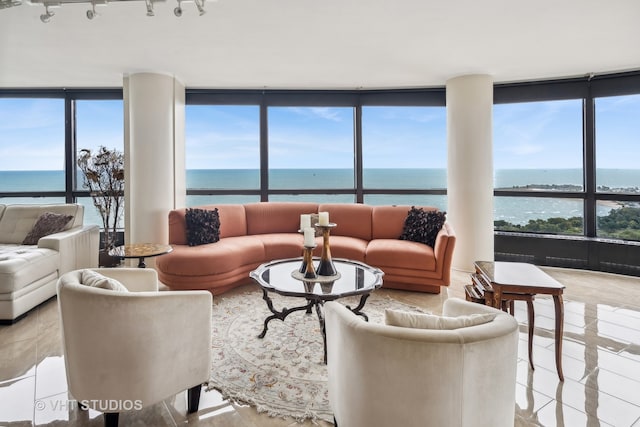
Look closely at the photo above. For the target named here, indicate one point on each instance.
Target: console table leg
(559, 306)
(532, 317)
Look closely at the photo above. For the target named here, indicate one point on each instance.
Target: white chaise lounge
(29, 272)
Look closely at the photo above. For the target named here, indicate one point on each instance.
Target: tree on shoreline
(622, 223)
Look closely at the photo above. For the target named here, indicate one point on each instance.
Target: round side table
(140, 251)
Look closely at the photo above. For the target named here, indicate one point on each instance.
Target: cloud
(326, 113)
(524, 149)
(20, 114)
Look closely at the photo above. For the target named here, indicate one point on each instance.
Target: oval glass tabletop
(354, 278)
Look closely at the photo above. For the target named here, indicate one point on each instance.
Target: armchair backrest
(383, 375)
(133, 346)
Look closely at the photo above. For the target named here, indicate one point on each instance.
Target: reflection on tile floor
(601, 361)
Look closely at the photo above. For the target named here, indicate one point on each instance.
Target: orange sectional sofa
(254, 233)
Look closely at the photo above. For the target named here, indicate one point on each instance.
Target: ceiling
(319, 44)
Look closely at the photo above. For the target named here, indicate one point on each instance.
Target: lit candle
(309, 237)
(323, 218)
(305, 221)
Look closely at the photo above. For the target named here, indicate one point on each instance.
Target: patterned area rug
(282, 374)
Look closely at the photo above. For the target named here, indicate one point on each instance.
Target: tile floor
(601, 360)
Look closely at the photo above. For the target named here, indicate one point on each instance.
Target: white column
(470, 168)
(154, 106)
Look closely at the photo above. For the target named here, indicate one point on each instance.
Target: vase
(106, 260)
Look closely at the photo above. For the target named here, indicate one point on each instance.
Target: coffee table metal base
(311, 303)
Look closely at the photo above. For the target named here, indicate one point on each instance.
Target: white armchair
(382, 375)
(128, 350)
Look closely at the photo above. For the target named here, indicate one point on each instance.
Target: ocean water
(517, 210)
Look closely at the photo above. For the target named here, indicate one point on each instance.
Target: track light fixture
(92, 13)
(47, 15)
(149, 7)
(200, 6)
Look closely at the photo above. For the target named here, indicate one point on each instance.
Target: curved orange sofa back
(252, 232)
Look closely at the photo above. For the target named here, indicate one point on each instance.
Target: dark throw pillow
(422, 226)
(47, 223)
(203, 226)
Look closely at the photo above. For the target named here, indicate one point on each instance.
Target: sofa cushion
(276, 217)
(23, 265)
(47, 223)
(351, 219)
(345, 247)
(387, 222)
(407, 319)
(222, 257)
(281, 245)
(203, 226)
(400, 254)
(232, 222)
(97, 280)
(422, 225)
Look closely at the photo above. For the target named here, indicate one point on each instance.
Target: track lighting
(91, 13)
(47, 15)
(149, 7)
(200, 6)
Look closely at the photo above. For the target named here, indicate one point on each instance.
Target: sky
(526, 135)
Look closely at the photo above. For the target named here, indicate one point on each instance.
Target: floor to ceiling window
(99, 123)
(538, 150)
(378, 147)
(311, 148)
(405, 148)
(222, 153)
(565, 157)
(41, 131)
(565, 152)
(32, 150)
(617, 143)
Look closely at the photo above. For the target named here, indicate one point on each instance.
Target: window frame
(355, 99)
(586, 88)
(70, 96)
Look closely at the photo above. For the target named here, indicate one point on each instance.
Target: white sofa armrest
(78, 247)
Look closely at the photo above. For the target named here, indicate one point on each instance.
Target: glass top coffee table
(354, 278)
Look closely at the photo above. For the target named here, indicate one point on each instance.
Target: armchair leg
(193, 397)
(111, 419)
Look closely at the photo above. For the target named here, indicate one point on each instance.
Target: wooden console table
(499, 284)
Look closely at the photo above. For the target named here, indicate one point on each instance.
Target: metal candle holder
(306, 268)
(326, 267)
